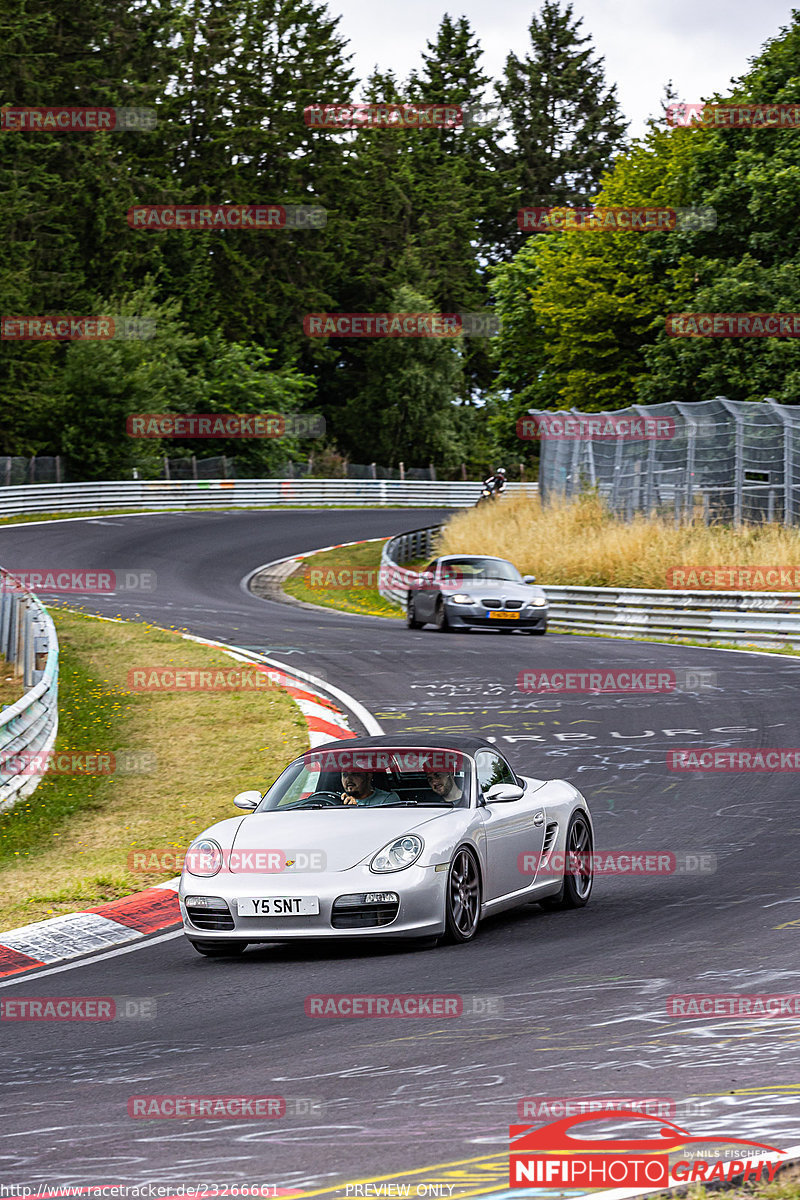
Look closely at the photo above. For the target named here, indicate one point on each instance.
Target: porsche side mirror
(247, 800)
(529, 579)
(503, 793)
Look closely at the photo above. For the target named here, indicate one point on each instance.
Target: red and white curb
(72, 935)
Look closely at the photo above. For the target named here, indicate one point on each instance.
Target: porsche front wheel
(463, 900)
(576, 886)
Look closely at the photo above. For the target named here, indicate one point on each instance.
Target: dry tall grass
(580, 542)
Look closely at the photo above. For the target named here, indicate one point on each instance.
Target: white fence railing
(766, 619)
(235, 493)
(28, 727)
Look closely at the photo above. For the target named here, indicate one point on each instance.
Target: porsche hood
(342, 836)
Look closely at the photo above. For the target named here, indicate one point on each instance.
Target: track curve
(583, 993)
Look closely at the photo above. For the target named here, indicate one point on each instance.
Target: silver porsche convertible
(390, 837)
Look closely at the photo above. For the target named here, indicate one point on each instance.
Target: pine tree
(564, 123)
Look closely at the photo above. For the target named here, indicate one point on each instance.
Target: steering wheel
(329, 799)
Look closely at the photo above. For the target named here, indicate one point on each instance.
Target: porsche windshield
(371, 778)
(465, 570)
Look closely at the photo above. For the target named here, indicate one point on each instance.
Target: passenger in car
(443, 783)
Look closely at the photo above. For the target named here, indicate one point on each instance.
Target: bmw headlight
(539, 602)
(204, 858)
(461, 598)
(398, 854)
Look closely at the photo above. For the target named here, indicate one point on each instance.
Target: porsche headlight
(204, 858)
(398, 854)
(461, 598)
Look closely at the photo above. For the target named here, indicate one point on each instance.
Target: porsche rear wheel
(576, 886)
(463, 900)
(220, 949)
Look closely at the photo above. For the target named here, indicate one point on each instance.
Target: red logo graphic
(550, 1155)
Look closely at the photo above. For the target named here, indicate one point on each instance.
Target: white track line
(141, 944)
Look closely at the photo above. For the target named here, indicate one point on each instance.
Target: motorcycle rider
(496, 483)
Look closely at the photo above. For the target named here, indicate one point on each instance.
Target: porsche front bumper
(420, 911)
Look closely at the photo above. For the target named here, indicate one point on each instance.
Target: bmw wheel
(411, 617)
(463, 901)
(440, 618)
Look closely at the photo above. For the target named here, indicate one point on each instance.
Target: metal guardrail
(394, 579)
(234, 493)
(29, 726)
(767, 619)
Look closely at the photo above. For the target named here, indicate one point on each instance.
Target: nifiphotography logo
(550, 1155)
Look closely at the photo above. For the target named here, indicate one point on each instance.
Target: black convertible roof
(422, 741)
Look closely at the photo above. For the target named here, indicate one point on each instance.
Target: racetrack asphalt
(582, 994)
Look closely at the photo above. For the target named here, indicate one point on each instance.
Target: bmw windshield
(372, 778)
(468, 570)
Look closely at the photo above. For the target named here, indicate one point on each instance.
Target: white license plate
(278, 906)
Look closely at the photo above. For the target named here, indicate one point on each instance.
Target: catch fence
(715, 460)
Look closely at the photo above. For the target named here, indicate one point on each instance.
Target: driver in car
(358, 789)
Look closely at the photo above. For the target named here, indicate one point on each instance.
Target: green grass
(69, 844)
(345, 578)
(11, 685)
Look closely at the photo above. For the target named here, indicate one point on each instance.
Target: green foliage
(584, 312)
(175, 371)
(421, 218)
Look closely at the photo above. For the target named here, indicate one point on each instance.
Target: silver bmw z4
(475, 591)
(388, 837)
